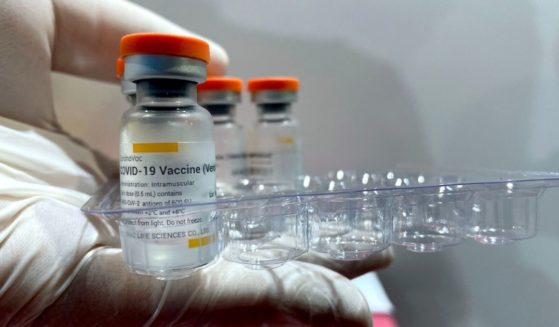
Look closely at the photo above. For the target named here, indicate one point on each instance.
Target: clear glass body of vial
(229, 139)
(167, 157)
(274, 144)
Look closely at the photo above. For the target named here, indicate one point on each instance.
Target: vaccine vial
(274, 145)
(167, 158)
(220, 96)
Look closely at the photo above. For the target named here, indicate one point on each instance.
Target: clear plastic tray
(348, 215)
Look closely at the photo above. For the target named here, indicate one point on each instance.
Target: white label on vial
(169, 174)
(164, 174)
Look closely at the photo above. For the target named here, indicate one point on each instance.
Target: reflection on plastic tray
(348, 215)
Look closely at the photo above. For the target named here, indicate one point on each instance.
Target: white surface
(469, 83)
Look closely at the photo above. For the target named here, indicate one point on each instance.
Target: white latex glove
(60, 267)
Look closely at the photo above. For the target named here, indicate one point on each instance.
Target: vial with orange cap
(167, 157)
(274, 145)
(220, 96)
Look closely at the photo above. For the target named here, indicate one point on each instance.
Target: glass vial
(220, 96)
(274, 145)
(167, 157)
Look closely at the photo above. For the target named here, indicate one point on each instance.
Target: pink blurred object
(384, 320)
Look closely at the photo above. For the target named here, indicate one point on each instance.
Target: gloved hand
(60, 267)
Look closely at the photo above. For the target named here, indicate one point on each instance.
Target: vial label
(274, 158)
(167, 175)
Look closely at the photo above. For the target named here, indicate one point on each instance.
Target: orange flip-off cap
(273, 83)
(119, 67)
(165, 44)
(232, 84)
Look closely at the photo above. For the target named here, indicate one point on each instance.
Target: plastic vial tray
(347, 215)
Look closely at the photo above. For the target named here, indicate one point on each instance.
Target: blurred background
(460, 83)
